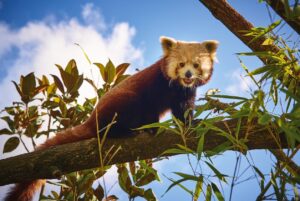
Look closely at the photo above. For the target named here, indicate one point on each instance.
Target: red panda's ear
(167, 44)
(211, 46)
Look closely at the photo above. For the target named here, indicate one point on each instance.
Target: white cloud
(42, 44)
(93, 17)
(241, 83)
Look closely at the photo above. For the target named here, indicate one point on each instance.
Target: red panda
(168, 84)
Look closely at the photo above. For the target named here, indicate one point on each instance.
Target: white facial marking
(206, 66)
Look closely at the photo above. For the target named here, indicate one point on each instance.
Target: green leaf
(208, 193)
(11, 144)
(198, 188)
(149, 195)
(111, 72)
(146, 179)
(265, 119)
(5, 131)
(102, 71)
(63, 108)
(120, 79)
(259, 172)
(124, 179)
(219, 149)
(174, 151)
(218, 174)
(71, 68)
(178, 183)
(217, 192)
(58, 83)
(188, 150)
(86, 182)
(228, 97)
(200, 146)
(77, 84)
(28, 84)
(9, 122)
(67, 79)
(120, 69)
(85, 55)
(18, 88)
(268, 41)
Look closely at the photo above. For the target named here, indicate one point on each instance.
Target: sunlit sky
(35, 35)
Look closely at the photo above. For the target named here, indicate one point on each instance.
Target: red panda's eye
(196, 65)
(181, 64)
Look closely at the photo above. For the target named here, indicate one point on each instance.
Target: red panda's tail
(26, 190)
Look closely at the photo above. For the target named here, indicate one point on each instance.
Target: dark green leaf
(149, 195)
(200, 146)
(18, 89)
(124, 179)
(5, 131)
(67, 79)
(58, 83)
(27, 84)
(11, 144)
(218, 174)
(217, 192)
(9, 122)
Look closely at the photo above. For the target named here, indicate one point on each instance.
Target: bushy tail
(25, 191)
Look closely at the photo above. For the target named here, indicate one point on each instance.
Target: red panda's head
(188, 63)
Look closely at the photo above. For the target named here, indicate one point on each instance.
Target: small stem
(234, 175)
(23, 143)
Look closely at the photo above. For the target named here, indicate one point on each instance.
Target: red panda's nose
(188, 74)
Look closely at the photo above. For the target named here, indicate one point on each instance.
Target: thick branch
(59, 160)
(236, 23)
(279, 8)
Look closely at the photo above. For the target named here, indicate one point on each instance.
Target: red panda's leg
(178, 109)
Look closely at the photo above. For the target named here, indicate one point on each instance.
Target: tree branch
(279, 8)
(63, 159)
(236, 23)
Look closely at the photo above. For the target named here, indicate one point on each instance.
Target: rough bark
(279, 8)
(236, 23)
(59, 160)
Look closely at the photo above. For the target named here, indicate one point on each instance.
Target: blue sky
(34, 35)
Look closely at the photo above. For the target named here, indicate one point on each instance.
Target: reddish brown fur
(138, 100)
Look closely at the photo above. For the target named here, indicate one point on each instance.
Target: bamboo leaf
(217, 172)
(200, 146)
(85, 54)
(208, 193)
(217, 192)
